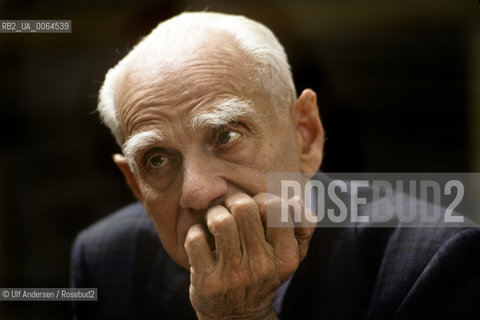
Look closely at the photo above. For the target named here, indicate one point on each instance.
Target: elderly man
(203, 108)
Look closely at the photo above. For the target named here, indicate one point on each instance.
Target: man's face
(192, 163)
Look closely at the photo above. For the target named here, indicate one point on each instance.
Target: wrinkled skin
(204, 189)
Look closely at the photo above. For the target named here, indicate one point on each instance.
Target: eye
(157, 161)
(228, 136)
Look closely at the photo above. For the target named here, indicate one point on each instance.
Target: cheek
(164, 216)
(171, 222)
(282, 152)
(163, 210)
(289, 150)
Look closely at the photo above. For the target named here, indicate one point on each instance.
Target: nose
(202, 185)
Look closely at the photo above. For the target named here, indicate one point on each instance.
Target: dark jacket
(349, 273)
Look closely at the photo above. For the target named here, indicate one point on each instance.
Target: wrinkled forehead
(216, 70)
(181, 66)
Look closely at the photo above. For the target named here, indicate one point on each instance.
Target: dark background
(398, 85)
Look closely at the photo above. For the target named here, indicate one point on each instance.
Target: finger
(262, 199)
(198, 251)
(304, 228)
(246, 213)
(281, 237)
(281, 232)
(271, 209)
(223, 227)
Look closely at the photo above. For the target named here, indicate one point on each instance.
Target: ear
(123, 165)
(309, 129)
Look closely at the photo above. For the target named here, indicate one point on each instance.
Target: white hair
(271, 70)
(137, 142)
(226, 112)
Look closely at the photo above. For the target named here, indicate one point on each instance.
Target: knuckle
(268, 201)
(221, 222)
(244, 206)
(192, 239)
(275, 203)
(262, 199)
(304, 234)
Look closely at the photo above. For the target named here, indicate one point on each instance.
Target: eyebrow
(228, 111)
(222, 114)
(139, 141)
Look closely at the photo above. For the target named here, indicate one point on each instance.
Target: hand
(240, 278)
